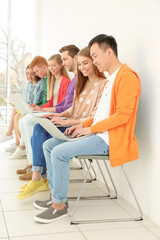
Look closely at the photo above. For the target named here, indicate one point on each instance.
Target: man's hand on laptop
(81, 132)
(70, 130)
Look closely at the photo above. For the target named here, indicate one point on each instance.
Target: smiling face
(85, 65)
(30, 74)
(101, 57)
(68, 61)
(54, 67)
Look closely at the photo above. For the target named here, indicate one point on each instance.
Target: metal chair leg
(90, 179)
(115, 190)
(87, 180)
(131, 188)
(105, 220)
(77, 168)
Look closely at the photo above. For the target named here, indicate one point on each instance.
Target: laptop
(23, 107)
(54, 131)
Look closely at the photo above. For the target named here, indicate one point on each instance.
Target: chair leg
(95, 176)
(106, 220)
(77, 168)
(79, 195)
(90, 179)
(131, 188)
(103, 177)
(115, 190)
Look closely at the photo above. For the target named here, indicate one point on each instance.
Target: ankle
(22, 147)
(36, 176)
(8, 133)
(58, 206)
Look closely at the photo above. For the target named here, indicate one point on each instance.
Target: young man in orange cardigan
(111, 131)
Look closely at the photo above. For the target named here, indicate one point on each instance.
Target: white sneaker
(5, 138)
(11, 148)
(19, 153)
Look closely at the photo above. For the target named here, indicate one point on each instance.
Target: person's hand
(81, 132)
(60, 121)
(49, 116)
(33, 105)
(37, 108)
(70, 130)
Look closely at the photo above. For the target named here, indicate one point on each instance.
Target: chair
(92, 177)
(103, 158)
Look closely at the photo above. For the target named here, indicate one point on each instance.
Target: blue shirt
(34, 93)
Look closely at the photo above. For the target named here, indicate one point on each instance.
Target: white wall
(135, 25)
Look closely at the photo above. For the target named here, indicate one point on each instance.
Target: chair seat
(96, 157)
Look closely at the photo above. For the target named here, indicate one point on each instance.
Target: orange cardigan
(123, 146)
(61, 93)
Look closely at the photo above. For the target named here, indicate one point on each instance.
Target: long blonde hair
(51, 78)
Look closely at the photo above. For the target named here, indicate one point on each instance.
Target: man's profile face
(40, 71)
(99, 56)
(68, 61)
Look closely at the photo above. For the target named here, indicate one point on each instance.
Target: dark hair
(36, 77)
(105, 42)
(72, 50)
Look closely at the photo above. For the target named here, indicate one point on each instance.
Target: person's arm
(68, 100)
(44, 98)
(66, 122)
(126, 96)
(38, 93)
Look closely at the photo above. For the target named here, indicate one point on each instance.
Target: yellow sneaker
(23, 187)
(33, 187)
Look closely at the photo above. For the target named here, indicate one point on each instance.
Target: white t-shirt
(55, 92)
(103, 110)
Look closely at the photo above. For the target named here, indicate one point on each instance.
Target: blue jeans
(40, 135)
(58, 153)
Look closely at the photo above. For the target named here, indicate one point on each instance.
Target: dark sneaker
(42, 205)
(51, 215)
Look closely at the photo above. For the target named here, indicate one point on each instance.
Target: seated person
(89, 84)
(111, 131)
(39, 65)
(69, 59)
(58, 82)
(33, 93)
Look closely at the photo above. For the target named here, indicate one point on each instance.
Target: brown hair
(38, 61)
(72, 50)
(36, 77)
(81, 79)
(51, 78)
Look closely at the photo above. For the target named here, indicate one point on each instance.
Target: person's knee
(37, 130)
(58, 152)
(45, 146)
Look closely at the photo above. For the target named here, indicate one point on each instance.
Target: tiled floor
(16, 217)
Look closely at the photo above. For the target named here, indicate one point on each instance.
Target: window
(16, 47)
